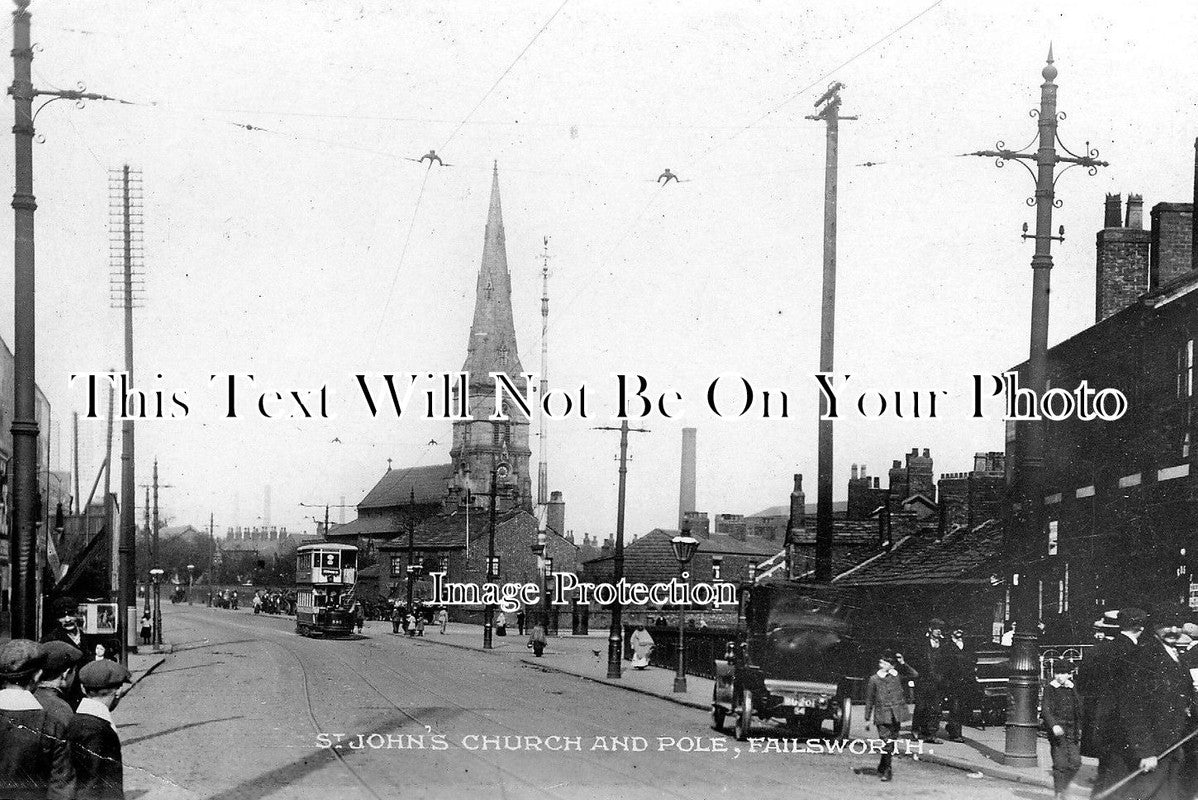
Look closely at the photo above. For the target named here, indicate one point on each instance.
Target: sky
(288, 234)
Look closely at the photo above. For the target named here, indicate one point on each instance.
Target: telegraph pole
(615, 637)
(154, 562)
(212, 562)
(1025, 539)
(23, 555)
(827, 333)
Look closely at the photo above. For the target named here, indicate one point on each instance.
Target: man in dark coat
(1101, 680)
(35, 761)
(58, 674)
(960, 682)
(1092, 679)
(1152, 711)
(95, 746)
(929, 686)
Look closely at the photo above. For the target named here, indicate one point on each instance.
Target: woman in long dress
(642, 646)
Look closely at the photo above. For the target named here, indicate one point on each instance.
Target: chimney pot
(854, 474)
(897, 464)
(927, 453)
(1114, 211)
(1135, 212)
(798, 482)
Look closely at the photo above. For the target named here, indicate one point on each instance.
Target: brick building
(650, 558)
(1121, 495)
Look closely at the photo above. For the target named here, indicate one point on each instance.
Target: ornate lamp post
(545, 567)
(1025, 532)
(191, 579)
(684, 546)
(156, 581)
(499, 471)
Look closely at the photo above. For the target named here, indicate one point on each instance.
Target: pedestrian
(520, 620)
(929, 686)
(886, 705)
(420, 624)
(410, 624)
(95, 746)
(257, 602)
(359, 615)
(58, 675)
(396, 618)
(1101, 679)
(642, 646)
(234, 601)
(35, 760)
(500, 623)
(147, 628)
(443, 619)
(1152, 711)
(536, 639)
(960, 682)
(65, 611)
(1060, 710)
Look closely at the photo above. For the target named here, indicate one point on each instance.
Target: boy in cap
(95, 746)
(886, 704)
(58, 674)
(1060, 710)
(34, 758)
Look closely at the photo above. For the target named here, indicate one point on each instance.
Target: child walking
(886, 704)
(1061, 714)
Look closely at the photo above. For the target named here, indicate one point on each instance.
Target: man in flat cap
(1101, 679)
(929, 686)
(35, 760)
(1152, 712)
(58, 674)
(67, 629)
(95, 746)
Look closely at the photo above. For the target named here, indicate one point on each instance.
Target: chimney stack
(686, 483)
(798, 504)
(1122, 271)
(555, 513)
(853, 476)
(1114, 211)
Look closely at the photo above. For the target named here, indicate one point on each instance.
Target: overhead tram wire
(794, 95)
(503, 75)
(399, 266)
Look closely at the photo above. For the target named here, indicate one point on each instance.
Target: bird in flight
(336, 440)
(667, 176)
(430, 156)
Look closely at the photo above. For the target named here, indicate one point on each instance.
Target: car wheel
(844, 724)
(745, 718)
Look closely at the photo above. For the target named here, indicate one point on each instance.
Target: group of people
(226, 599)
(274, 602)
(947, 670)
(57, 738)
(1133, 698)
(411, 622)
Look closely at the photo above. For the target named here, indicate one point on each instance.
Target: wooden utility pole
(615, 636)
(75, 461)
(212, 562)
(827, 333)
(154, 565)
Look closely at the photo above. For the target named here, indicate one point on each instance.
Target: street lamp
(684, 546)
(545, 567)
(414, 572)
(155, 579)
(191, 579)
(499, 471)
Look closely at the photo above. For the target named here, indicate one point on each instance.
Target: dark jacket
(96, 754)
(55, 704)
(1152, 707)
(35, 761)
(886, 698)
(932, 666)
(1100, 679)
(1062, 706)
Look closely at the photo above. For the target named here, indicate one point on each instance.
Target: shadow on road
(176, 729)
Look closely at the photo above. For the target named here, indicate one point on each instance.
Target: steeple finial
(1049, 72)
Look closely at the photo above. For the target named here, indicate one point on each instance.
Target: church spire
(492, 346)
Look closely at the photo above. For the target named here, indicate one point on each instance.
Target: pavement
(586, 657)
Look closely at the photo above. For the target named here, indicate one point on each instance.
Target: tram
(325, 575)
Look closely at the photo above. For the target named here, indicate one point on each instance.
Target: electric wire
(399, 266)
(503, 75)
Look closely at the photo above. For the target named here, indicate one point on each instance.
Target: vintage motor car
(791, 661)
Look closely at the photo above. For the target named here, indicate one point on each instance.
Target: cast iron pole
(1026, 541)
(24, 426)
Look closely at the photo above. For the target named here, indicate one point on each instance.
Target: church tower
(478, 443)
